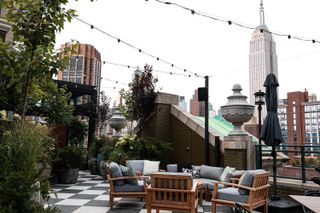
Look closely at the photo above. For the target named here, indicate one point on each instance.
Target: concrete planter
(237, 111)
(68, 176)
(103, 169)
(93, 166)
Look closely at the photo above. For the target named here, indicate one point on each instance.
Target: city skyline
(198, 44)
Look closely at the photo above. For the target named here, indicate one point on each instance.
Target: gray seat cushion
(129, 188)
(211, 185)
(204, 181)
(115, 171)
(136, 164)
(210, 172)
(172, 168)
(232, 194)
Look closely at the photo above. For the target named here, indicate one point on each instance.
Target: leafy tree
(103, 111)
(56, 106)
(77, 131)
(31, 58)
(139, 98)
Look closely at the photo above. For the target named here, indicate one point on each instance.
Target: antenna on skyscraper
(262, 20)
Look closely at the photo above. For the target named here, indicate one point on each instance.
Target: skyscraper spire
(262, 21)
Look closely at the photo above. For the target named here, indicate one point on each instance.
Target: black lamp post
(259, 100)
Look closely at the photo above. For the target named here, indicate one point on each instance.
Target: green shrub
(23, 150)
(97, 145)
(69, 157)
(109, 145)
(118, 156)
(77, 131)
(143, 147)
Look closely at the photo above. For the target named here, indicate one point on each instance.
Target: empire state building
(262, 59)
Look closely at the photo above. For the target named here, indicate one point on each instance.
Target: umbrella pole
(274, 168)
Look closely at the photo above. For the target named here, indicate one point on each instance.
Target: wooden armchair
(257, 194)
(172, 191)
(125, 189)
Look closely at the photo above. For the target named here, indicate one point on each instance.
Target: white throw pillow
(226, 174)
(150, 167)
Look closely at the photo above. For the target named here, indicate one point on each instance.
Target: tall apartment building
(5, 33)
(182, 103)
(84, 66)
(197, 108)
(262, 59)
(299, 117)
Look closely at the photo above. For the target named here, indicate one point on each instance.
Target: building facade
(182, 103)
(299, 117)
(84, 66)
(262, 59)
(197, 108)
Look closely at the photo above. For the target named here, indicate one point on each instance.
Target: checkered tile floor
(90, 194)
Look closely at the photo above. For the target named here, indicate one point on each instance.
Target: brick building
(84, 66)
(299, 117)
(197, 108)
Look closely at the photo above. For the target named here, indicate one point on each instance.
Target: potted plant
(107, 148)
(94, 150)
(70, 158)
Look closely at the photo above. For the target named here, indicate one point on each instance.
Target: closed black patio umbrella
(271, 130)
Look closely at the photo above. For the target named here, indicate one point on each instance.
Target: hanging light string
(230, 22)
(136, 48)
(159, 71)
(113, 88)
(117, 82)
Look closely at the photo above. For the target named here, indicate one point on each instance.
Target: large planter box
(295, 172)
(68, 176)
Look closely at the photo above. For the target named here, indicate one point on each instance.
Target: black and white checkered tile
(91, 194)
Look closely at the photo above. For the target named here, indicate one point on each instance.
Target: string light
(247, 26)
(134, 47)
(117, 82)
(159, 71)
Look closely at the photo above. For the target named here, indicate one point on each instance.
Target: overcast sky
(201, 45)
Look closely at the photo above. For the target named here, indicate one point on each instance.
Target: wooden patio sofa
(173, 192)
(255, 195)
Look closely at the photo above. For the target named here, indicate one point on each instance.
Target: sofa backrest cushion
(136, 165)
(194, 172)
(172, 167)
(184, 165)
(128, 171)
(150, 167)
(115, 171)
(247, 180)
(227, 174)
(210, 172)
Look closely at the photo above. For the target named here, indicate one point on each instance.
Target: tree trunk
(26, 86)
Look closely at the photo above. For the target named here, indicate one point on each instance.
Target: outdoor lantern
(259, 98)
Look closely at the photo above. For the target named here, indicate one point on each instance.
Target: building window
(79, 69)
(72, 68)
(90, 71)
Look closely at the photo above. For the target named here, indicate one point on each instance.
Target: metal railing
(298, 155)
